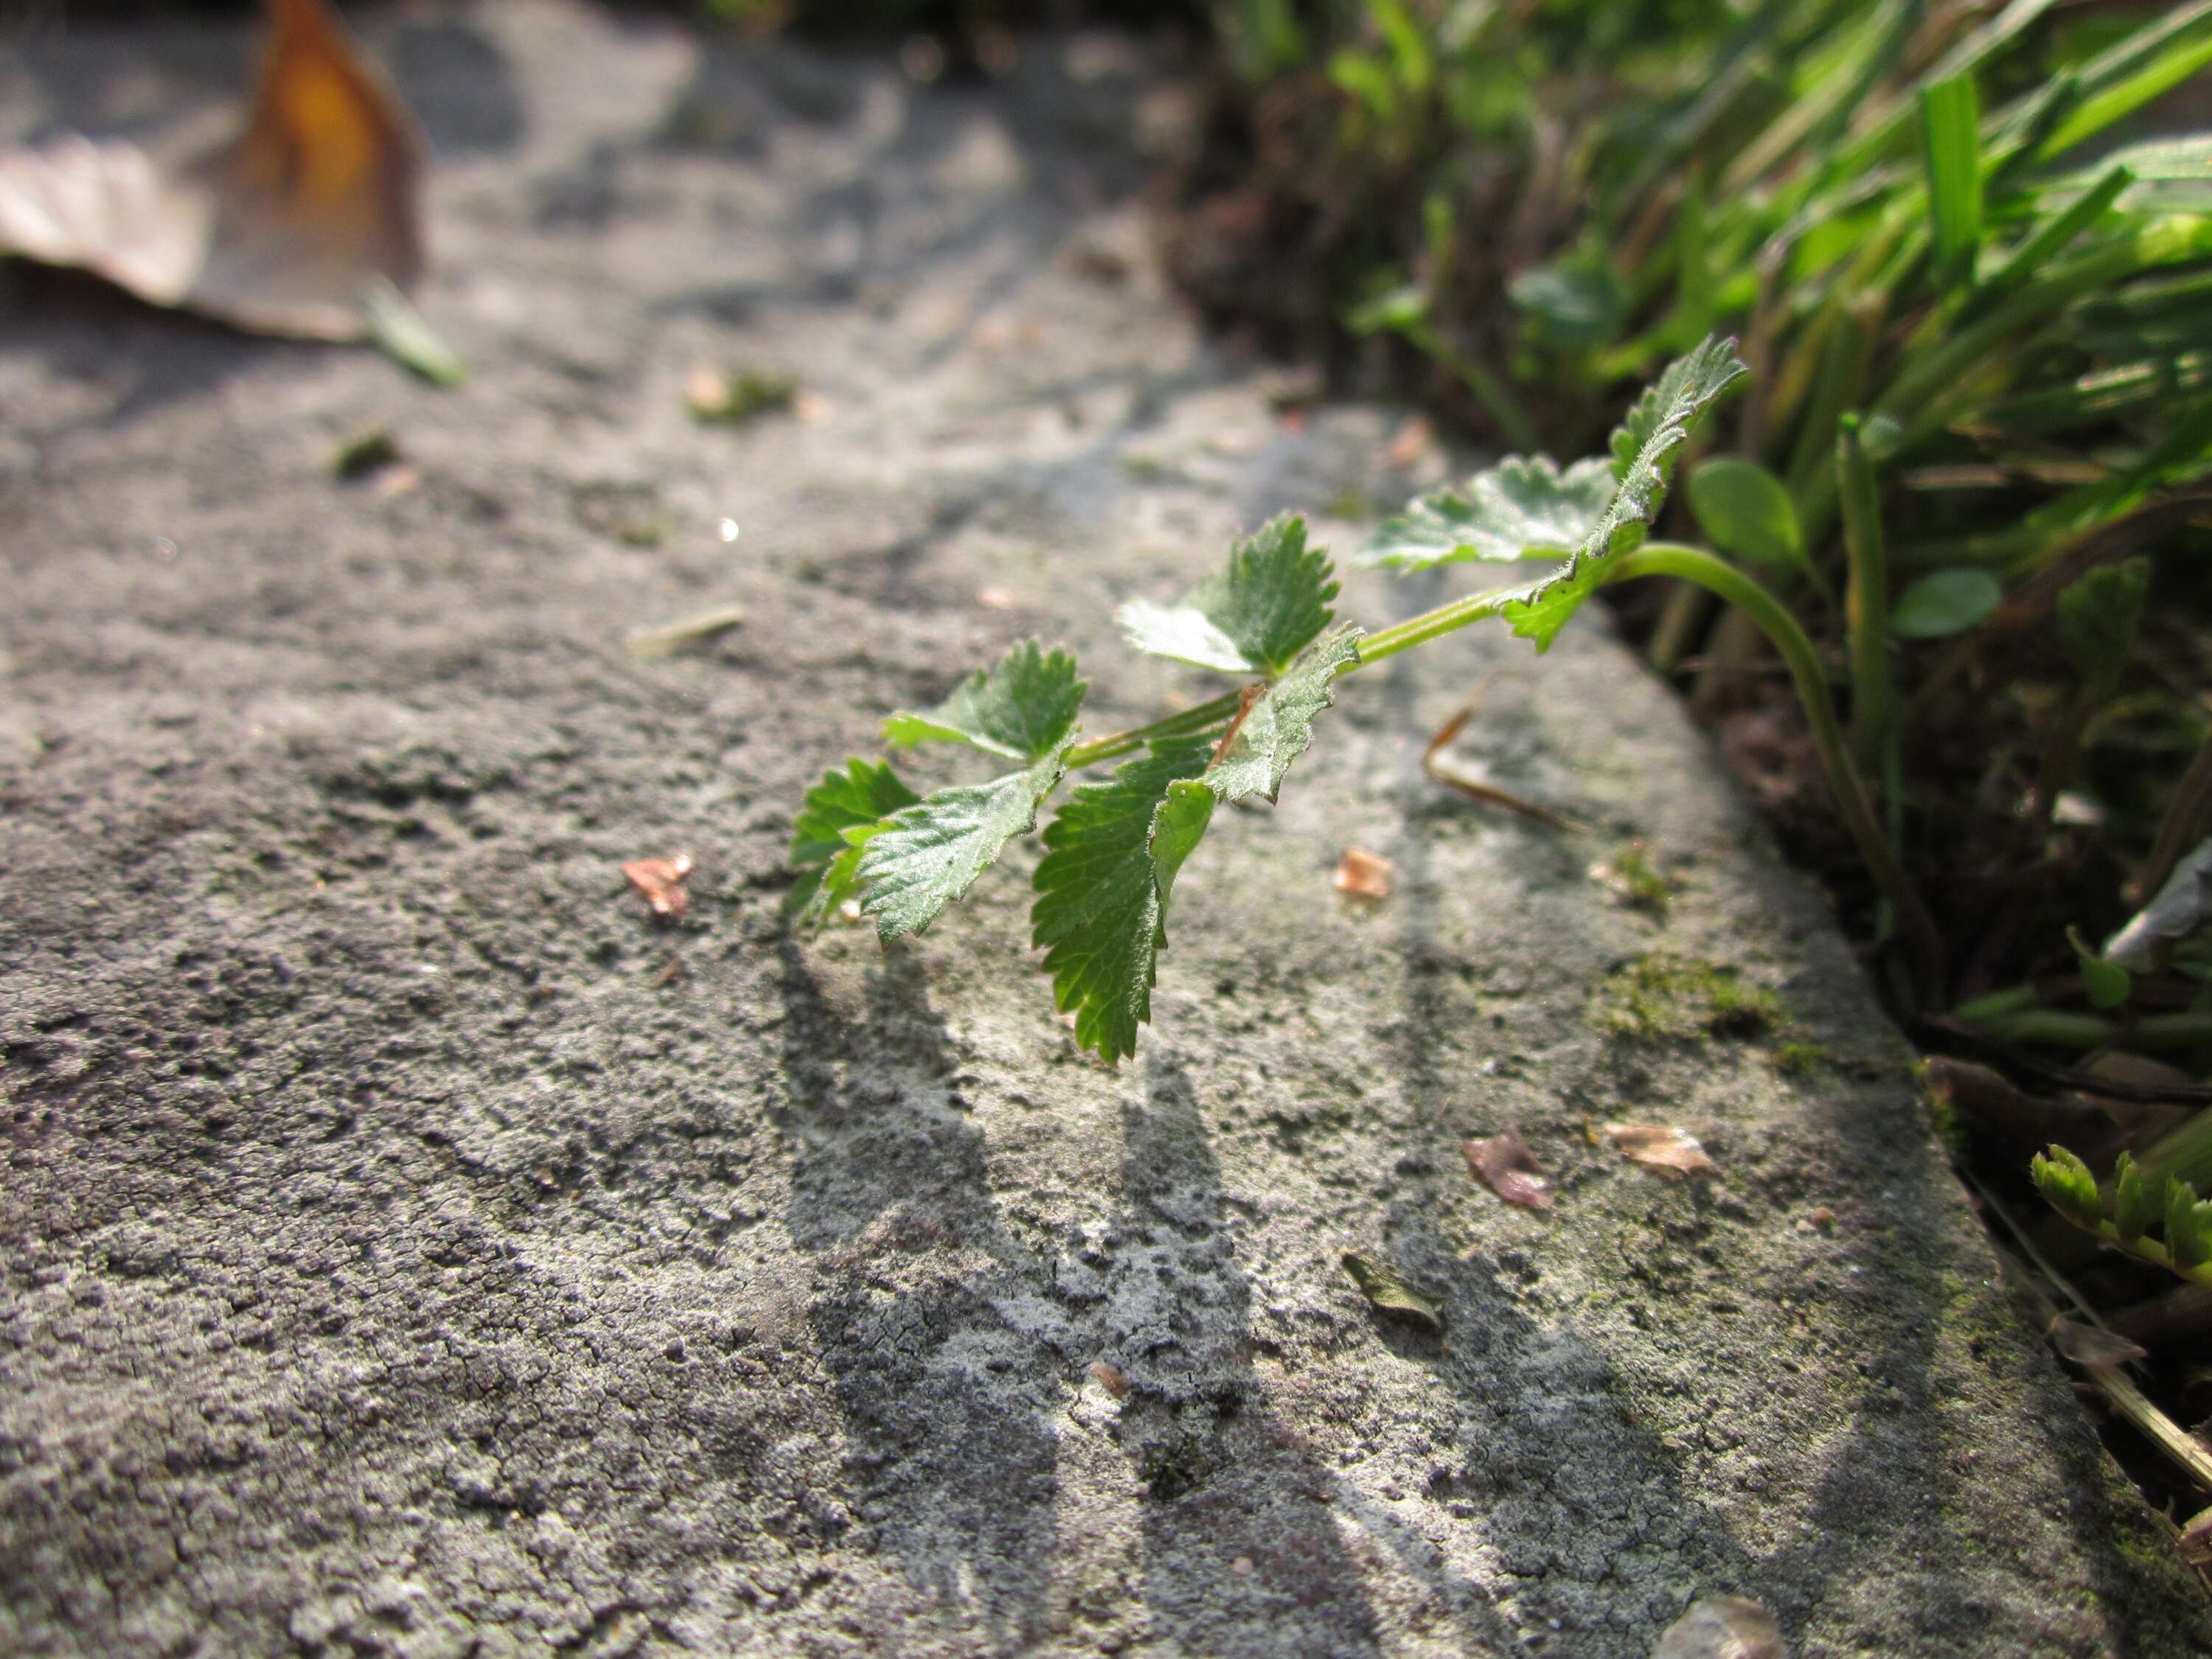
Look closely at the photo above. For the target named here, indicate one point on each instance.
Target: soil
(410, 1245)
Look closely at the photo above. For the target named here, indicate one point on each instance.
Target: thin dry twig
(2180, 1447)
(1489, 794)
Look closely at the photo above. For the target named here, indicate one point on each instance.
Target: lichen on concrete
(410, 1246)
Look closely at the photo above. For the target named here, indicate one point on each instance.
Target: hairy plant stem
(1803, 662)
(1731, 587)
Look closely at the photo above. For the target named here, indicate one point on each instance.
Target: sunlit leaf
(1111, 860)
(1524, 508)
(925, 856)
(1644, 450)
(2136, 1207)
(1278, 725)
(823, 849)
(1021, 708)
(2066, 1184)
(1255, 617)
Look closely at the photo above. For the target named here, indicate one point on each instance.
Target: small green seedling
(2125, 1214)
(866, 845)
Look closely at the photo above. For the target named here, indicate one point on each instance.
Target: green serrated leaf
(2188, 1227)
(1021, 708)
(1253, 617)
(1387, 1292)
(1524, 508)
(1947, 603)
(2134, 1208)
(822, 890)
(1110, 858)
(1746, 510)
(822, 849)
(925, 856)
(2099, 615)
(2066, 1184)
(1278, 724)
(1643, 454)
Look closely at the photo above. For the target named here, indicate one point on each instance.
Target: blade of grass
(2049, 239)
(2145, 65)
(1951, 153)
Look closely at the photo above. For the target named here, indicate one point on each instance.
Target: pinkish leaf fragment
(1508, 1168)
(661, 881)
(1362, 874)
(2091, 1345)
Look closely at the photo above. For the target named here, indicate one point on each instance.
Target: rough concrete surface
(408, 1246)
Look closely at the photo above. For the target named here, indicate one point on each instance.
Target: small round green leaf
(1746, 511)
(2106, 982)
(1949, 602)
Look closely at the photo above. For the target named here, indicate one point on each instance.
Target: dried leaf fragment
(661, 881)
(1722, 1627)
(1388, 1293)
(278, 230)
(1508, 1168)
(2091, 1345)
(683, 635)
(1655, 1147)
(1440, 767)
(2196, 1539)
(1362, 874)
(406, 338)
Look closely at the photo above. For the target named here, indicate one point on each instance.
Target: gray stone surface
(406, 1247)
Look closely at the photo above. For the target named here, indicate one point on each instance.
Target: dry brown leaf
(1388, 1293)
(2090, 1345)
(1507, 1166)
(1365, 875)
(278, 230)
(2196, 1539)
(661, 883)
(676, 636)
(1655, 1147)
(1722, 1627)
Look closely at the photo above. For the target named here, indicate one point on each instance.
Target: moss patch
(1800, 1057)
(1662, 997)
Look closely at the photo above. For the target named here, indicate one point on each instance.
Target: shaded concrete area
(408, 1246)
